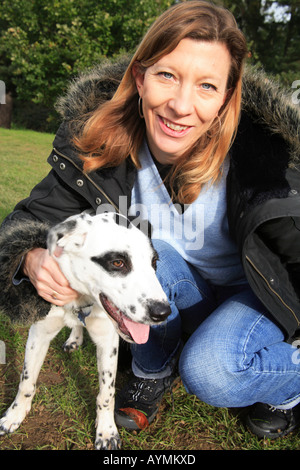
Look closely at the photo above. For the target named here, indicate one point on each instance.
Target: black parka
(263, 196)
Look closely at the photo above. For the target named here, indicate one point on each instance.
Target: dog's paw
(75, 340)
(12, 419)
(112, 442)
(70, 346)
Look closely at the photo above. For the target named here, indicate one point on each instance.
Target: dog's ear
(71, 242)
(68, 236)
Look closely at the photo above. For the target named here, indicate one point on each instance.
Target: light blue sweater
(200, 234)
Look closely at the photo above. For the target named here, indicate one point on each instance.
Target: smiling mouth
(133, 331)
(174, 127)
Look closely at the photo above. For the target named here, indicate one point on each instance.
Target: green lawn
(23, 157)
(63, 412)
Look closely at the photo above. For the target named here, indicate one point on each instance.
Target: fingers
(55, 293)
(58, 299)
(47, 278)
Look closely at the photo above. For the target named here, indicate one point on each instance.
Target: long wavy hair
(115, 131)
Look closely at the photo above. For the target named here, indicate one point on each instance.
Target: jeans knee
(208, 375)
(169, 260)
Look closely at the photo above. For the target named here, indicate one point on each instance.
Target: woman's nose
(182, 102)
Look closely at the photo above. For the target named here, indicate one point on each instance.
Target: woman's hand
(46, 276)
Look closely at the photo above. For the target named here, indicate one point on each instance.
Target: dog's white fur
(99, 258)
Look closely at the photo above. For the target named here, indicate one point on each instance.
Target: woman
(172, 144)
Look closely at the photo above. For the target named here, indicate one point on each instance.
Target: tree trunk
(6, 111)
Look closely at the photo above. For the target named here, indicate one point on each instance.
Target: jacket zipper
(272, 290)
(89, 178)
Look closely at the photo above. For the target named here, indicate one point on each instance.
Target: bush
(37, 117)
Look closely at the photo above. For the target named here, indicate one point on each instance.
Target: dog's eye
(118, 263)
(154, 261)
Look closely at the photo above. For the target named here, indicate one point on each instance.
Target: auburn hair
(115, 131)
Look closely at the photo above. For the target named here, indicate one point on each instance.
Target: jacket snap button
(55, 158)
(62, 166)
(79, 183)
(293, 192)
(271, 281)
(98, 201)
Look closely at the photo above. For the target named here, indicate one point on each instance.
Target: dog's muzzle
(133, 331)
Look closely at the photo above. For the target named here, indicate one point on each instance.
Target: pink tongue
(139, 332)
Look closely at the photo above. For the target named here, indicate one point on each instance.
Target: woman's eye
(167, 75)
(208, 86)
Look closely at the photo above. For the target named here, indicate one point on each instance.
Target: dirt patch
(41, 430)
(50, 427)
(50, 378)
(46, 428)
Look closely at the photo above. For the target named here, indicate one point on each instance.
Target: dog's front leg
(40, 335)
(106, 339)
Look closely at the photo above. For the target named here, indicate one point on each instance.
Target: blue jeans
(234, 356)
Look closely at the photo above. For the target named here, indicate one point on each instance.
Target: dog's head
(114, 263)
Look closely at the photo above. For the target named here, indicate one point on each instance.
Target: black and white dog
(112, 267)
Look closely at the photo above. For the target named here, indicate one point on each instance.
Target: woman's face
(182, 94)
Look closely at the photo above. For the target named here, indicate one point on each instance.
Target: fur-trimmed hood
(20, 303)
(263, 99)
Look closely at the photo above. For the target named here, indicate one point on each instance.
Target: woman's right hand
(46, 276)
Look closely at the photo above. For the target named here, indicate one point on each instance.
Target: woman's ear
(138, 76)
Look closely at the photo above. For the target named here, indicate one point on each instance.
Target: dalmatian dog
(112, 266)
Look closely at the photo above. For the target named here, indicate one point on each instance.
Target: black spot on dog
(25, 375)
(69, 225)
(114, 262)
(114, 352)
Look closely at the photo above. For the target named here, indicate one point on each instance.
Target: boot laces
(143, 390)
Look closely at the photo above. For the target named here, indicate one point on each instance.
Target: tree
(43, 43)
(272, 29)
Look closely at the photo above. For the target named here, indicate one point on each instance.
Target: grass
(63, 412)
(23, 164)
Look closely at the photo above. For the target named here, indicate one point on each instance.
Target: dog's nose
(158, 311)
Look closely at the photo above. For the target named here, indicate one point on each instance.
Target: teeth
(174, 127)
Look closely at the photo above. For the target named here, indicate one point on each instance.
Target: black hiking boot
(270, 422)
(138, 402)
